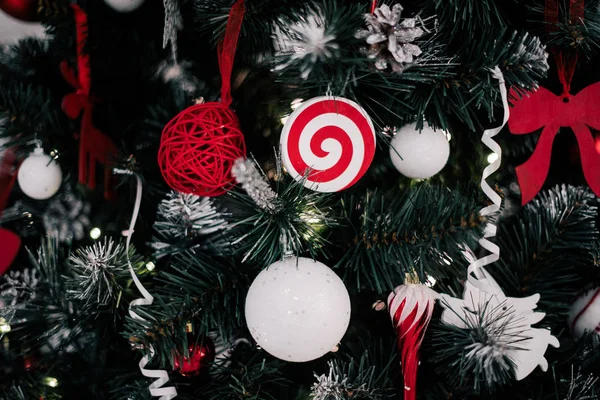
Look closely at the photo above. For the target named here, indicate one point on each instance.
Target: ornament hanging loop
(227, 49)
(328, 92)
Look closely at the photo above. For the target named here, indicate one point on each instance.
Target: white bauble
(39, 175)
(584, 315)
(419, 155)
(297, 309)
(124, 6)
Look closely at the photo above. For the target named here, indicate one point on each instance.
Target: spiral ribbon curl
(162, 376)
(330, 141)
(477, 275)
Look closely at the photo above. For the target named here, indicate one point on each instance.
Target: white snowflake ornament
(509, 320)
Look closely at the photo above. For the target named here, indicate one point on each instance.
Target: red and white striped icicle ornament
(411, 307)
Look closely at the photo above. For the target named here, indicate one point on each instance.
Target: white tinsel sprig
(257, 187)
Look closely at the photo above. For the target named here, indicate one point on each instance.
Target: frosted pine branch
(582, 387)
(98, 271)
(348, 380)
(186, 215)
(305, 42)
(330, 386)
(532, 54)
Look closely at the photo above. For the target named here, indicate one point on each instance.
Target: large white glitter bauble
(584, 316)
(297, 309)
(124, 6)
(39, 175)
(419, 155)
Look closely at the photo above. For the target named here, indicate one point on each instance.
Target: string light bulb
(4, 326)
(492, 157)
(50, 381)
(95, 233)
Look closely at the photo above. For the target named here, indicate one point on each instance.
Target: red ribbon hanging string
(227, 49)
(94, 145)
(543, 109)
(566, 60)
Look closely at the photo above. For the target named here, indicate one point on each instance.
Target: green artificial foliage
(66, 325)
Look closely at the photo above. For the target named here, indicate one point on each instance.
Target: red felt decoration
(9, 241)
(25, 10)
(199, 146)
(411, 308)
(543, 109)
(94, 146)
(8, 176)
(200, 356)
(9, 248)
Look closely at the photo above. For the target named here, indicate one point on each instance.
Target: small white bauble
(297, 309)
(124, 6)
(39, 175)
(584, 315)
(419, 155)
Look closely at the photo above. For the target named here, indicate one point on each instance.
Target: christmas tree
(300, 199)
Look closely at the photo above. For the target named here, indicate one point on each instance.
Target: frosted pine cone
(390, 39)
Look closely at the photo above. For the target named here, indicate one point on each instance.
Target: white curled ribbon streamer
(477, 275)
(162, 376)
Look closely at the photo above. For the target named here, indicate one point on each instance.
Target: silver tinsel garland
(173, 24)
(247, 175)
(391, 39)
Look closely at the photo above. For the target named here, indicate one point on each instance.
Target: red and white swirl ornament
(331, 141)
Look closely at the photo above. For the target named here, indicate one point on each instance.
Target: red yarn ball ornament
(198, 148)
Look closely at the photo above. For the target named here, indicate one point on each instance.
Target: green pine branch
(422, 229)
(548, 249)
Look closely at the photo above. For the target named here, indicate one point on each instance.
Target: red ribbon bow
(94, 146)
(543, 109)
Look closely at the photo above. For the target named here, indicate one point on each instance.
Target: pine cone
(391, 40)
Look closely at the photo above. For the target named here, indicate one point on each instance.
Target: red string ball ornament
(198, 148)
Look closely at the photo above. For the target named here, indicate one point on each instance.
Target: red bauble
(201, 356)
(9, 248)
(25, 10)
(198, 148)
